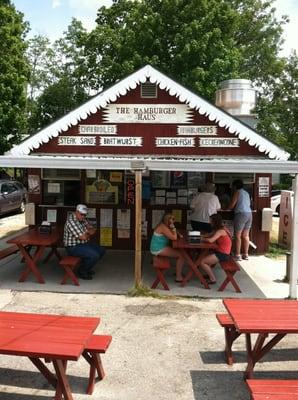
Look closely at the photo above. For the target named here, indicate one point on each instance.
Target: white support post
(294, 244)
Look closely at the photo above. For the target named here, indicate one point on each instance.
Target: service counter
(110, 197)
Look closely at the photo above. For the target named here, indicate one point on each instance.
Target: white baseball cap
(82, 208)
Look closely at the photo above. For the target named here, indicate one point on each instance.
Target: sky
(52, 17)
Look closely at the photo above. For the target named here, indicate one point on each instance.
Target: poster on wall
(34, 184)
(106, 237)
(161, 179)
(123, 219)
(123, 224)
(106, 218)
(178, 215)
(263, 186)
(116, 176)
(54, 188)
(178, 179)
(90, 173)
(52, 216)
(196, 179)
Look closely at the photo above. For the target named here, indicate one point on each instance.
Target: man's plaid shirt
(73, 229)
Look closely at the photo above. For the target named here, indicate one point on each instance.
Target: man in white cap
(77, 233)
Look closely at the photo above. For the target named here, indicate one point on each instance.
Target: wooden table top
(263, 316)
(44, 335)
(35, 238)
(183, 243)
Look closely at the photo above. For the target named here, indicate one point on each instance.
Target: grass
(276, 251)
(142, 290)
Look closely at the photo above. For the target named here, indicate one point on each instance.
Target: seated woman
(160, 243)
(222, 238)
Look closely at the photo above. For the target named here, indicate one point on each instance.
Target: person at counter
(164, 232)
(77, 233)
(221, 236)
(203, 205)
(240, 203)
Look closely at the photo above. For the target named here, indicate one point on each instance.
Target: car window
(5, 188)
(11, 188)
(20, 185)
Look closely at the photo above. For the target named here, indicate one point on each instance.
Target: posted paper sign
(106, 238)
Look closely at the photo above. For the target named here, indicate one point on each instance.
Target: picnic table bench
(230, 335)
(230, 267)
(273, 389)
(8, 251)
(161, 265)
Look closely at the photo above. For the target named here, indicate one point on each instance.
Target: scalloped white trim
(184, 95)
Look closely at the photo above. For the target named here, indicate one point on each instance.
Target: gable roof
(184, 95)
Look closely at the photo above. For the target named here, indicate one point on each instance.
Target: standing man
(204, 205)
(77, 233)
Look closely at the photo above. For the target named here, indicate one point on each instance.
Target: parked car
(13, 196)
(275, 200)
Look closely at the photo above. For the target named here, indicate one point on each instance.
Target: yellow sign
(116, 176)
(106, 237)
(178, 215)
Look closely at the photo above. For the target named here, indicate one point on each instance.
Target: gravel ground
(162, 349)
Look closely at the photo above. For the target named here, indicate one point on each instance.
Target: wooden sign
(97, 129)
(148, 113)
(76, 141)
(197, 130)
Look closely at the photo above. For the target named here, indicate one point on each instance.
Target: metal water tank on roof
(236, 96)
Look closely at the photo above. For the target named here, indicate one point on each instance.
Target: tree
(13, 75)
(41, 57)
(56, 100)
(277, 109)
(197, 42)
(57, 76)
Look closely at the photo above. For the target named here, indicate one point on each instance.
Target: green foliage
(56, 101)
(57, 83)
(13, 75)
(277, 109)
(41, 57)
(275, 251)
(197, 42)
(144, 291)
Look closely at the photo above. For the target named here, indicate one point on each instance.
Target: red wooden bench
(273, 389)
(230, 335)
(230, 267)
(69, 264)
(160, 264)
(96, 345)
(8, 251)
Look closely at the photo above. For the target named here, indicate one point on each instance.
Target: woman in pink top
(222, 238)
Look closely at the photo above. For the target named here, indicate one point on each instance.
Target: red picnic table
(187, 250)
(262, 317)
(57, 338)
(33, 238)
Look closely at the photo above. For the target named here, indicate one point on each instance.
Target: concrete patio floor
(260, 277)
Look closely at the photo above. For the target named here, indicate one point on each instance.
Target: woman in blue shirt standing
(164, 232)
(242, 219)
